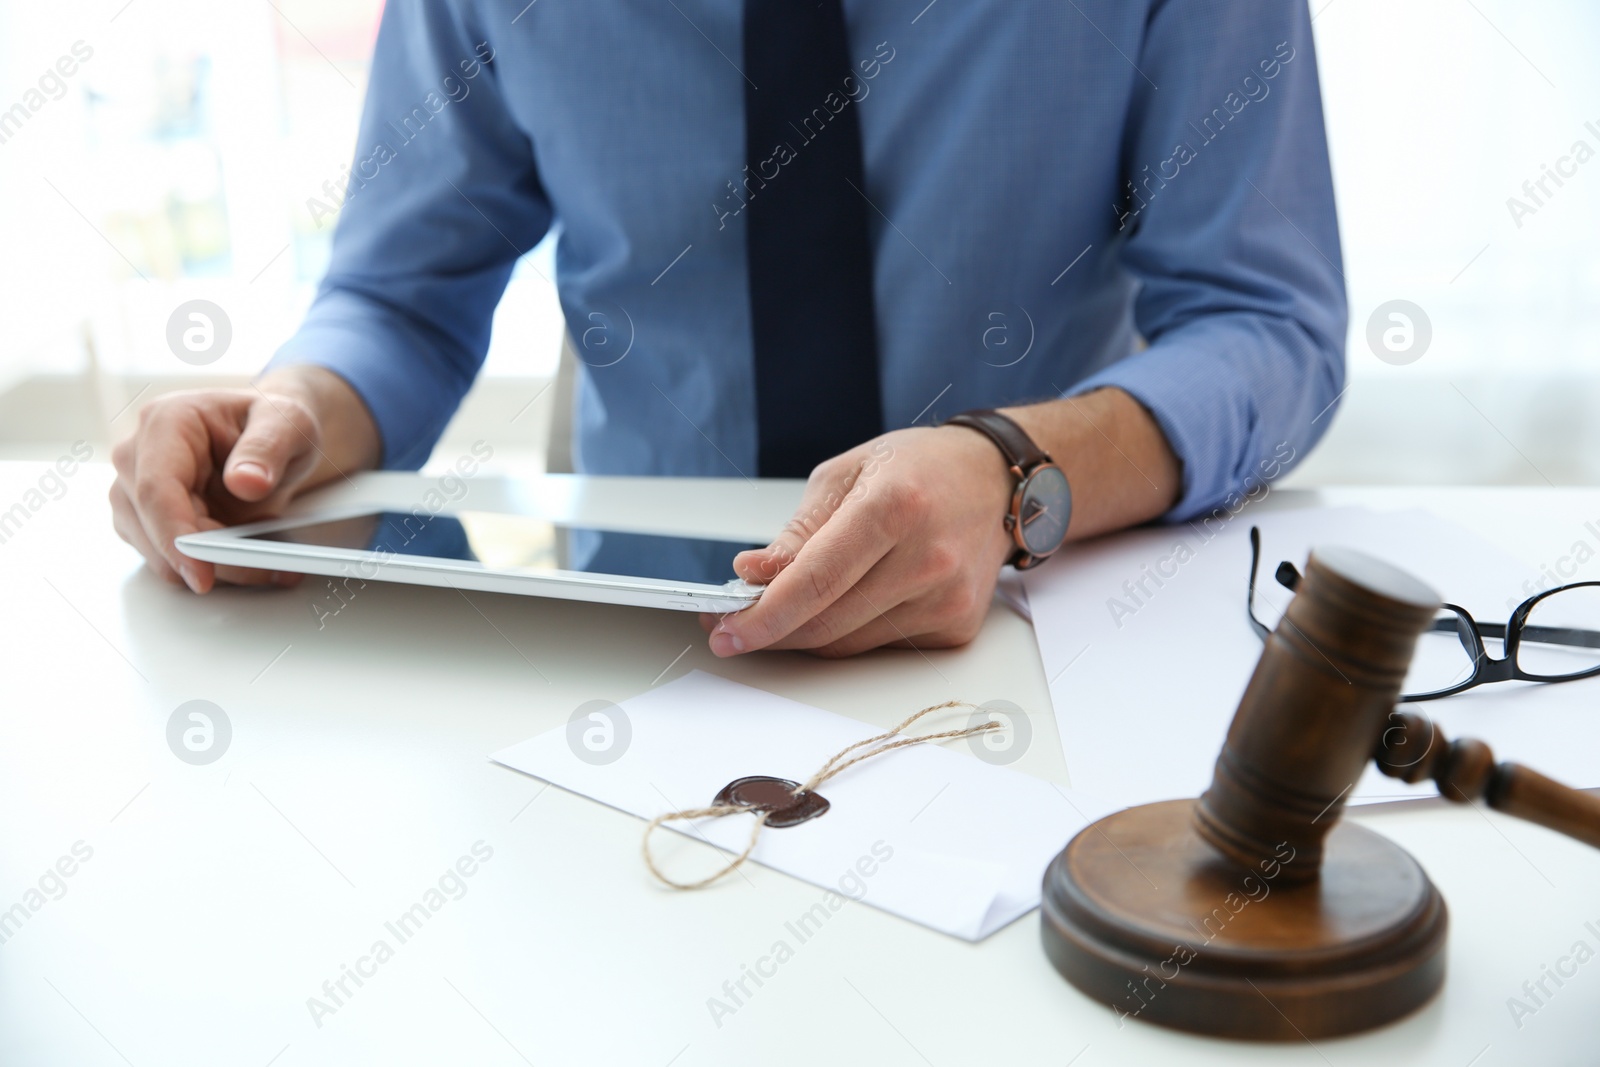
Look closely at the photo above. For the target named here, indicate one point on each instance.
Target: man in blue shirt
(1111, 219)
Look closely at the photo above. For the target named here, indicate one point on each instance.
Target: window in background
(196, 154)
(1441, 115)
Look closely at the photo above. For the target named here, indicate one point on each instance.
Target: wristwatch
(1041, 503)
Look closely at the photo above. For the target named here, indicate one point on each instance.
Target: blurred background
(154, 152)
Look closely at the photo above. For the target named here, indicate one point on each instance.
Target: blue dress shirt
(1065, 196)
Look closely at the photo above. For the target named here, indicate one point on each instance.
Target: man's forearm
(1117, 460)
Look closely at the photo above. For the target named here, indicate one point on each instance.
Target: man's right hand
(209, 458)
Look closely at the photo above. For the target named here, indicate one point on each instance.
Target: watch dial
(1046, 510)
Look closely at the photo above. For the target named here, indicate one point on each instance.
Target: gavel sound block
(1253, 912)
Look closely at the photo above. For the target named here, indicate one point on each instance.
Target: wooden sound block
(1143, 915)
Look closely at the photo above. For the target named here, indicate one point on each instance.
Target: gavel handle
(1412, 749)
(1527, 794)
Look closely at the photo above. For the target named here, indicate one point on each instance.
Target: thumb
(276, 449)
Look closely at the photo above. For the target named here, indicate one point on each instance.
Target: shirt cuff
(1206, 386)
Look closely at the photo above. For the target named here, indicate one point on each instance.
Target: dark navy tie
(811, 307)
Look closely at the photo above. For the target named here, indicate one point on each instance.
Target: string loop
(828, 770)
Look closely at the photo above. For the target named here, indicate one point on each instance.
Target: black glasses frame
(1471, 632)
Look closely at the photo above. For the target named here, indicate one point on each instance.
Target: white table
(219, 898)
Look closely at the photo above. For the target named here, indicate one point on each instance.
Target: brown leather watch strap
(1013, 442)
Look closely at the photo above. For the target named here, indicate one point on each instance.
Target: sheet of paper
(926, 832)
(1147, 648)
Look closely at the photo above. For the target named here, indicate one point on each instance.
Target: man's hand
(897, 542)
(209, 458)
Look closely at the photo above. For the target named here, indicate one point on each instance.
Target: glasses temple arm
(1557, 635)
(1548, 635)
(1288, 576)
(1250, 600)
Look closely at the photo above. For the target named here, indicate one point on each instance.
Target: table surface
(207, 905)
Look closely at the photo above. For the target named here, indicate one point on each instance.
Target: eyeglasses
(1547, 639)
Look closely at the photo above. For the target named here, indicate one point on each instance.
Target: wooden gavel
(1254, 912)
(1465, 770)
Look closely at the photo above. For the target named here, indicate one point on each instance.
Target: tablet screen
(502, 541)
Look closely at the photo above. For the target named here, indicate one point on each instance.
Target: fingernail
(189, 577)
(251, 468)
(286, 579)
(724, 643)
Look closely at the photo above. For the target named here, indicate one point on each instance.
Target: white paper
(1144, 692)
(952, 842)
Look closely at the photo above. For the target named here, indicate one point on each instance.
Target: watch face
(1046, 508)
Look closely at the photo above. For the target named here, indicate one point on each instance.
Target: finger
(172, 462)
(950, 612)
(828, 564)
(884, 588)
(126, 522)
(826, 490)
(256, 577)
(911, 626)
(227, 574)
(277, 448)
(899, 628)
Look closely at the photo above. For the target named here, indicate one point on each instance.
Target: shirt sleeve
(1230, 228)
(443, 197)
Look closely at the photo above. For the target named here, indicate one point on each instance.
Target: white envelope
(929, 833)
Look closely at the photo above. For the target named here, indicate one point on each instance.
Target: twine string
(828, 770)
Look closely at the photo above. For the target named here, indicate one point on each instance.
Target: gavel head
(1314, 712)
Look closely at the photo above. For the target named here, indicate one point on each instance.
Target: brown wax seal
(776, 797)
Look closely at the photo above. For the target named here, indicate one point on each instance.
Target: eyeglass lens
(1445, 655)
(1561, 636)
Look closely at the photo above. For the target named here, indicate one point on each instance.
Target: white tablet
(489, 551)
